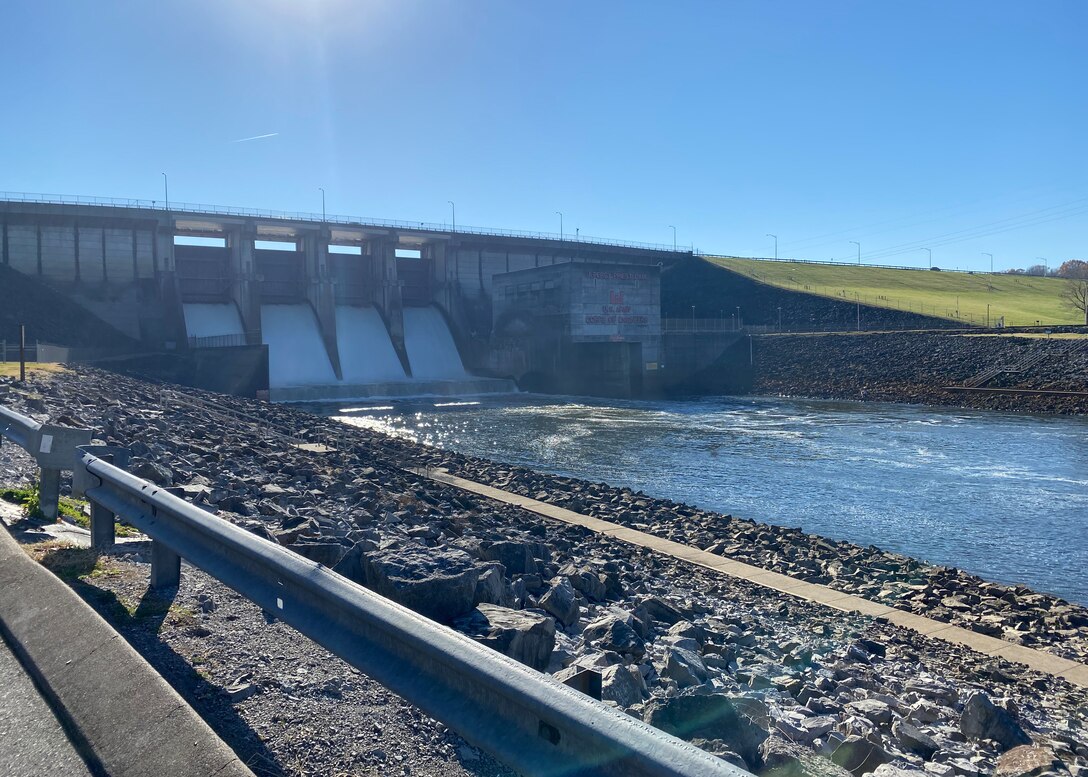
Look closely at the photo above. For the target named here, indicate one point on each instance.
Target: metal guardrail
(527, 720)
(52, 446)
(223, 341)
(221, 210)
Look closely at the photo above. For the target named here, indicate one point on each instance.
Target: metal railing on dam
(356, 221)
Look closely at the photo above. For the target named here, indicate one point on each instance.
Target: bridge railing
(53, 448)
(422, 226)
(526, 719)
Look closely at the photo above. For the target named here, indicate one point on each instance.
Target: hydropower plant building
(335, 308)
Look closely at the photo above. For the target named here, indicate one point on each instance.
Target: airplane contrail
(256, 137)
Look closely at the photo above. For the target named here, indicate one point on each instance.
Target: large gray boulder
(561, 601)
(437, 582)
(622, 684)
(783, 758)
(615, 631)
(859, 756)
(982, 719)
(524, 636)
(1029, 761)
(683, 666)
(517, 557)
(741, 723)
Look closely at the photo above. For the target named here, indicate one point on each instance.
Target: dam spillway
(296, 352)
(212, 319)
(366, 351)
(432, 352)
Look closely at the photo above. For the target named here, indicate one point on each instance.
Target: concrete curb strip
(126, 718)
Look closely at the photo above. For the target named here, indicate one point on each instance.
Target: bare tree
(1076, 295)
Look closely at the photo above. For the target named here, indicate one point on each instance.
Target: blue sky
(955, 125)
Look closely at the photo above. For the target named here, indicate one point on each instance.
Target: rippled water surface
(1003, 496)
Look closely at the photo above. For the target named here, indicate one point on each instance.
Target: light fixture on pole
(453, 215)
(991, 261)
(560, 215)
(775, 245)
(322, 203)
(166, 190)
(930, 252)
(673, 236)
(855, 242)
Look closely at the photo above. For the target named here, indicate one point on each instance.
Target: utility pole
(930, 252)
(991, 261)
(775, 245)
(22, 353)
(855, 242)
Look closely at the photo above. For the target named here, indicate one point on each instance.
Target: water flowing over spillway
(431, 351)
(296, 352)
(211, 319)
(366, 352)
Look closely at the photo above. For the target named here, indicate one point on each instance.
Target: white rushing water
(296, 352)
(366, 352)
(431, 351)
(212, 319)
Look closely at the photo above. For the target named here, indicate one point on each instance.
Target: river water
(1004, 496)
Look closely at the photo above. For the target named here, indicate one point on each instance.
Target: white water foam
(296, 352)
(431, 351)
(366, 352)
(210, 319)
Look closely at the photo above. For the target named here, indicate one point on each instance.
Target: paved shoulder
(32, 741)
(126, 718)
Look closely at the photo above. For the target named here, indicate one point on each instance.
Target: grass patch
(67, 561)
(958, 296)
(29, 498)
(11, 369)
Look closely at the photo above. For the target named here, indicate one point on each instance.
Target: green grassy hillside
(1022, 300)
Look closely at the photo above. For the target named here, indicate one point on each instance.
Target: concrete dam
(310, 308)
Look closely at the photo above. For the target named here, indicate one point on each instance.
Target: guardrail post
(102, 527)
(49, 492)
(165, 566)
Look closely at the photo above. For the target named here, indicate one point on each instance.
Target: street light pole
(558, 213)
(740, 324)
(453, 215)
(673, 236)
(991, 261)
(322, 203)
(693, 319)
(855, 242)
(1046, 265)
(775, 245)
(166, 190)
(930, 252)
